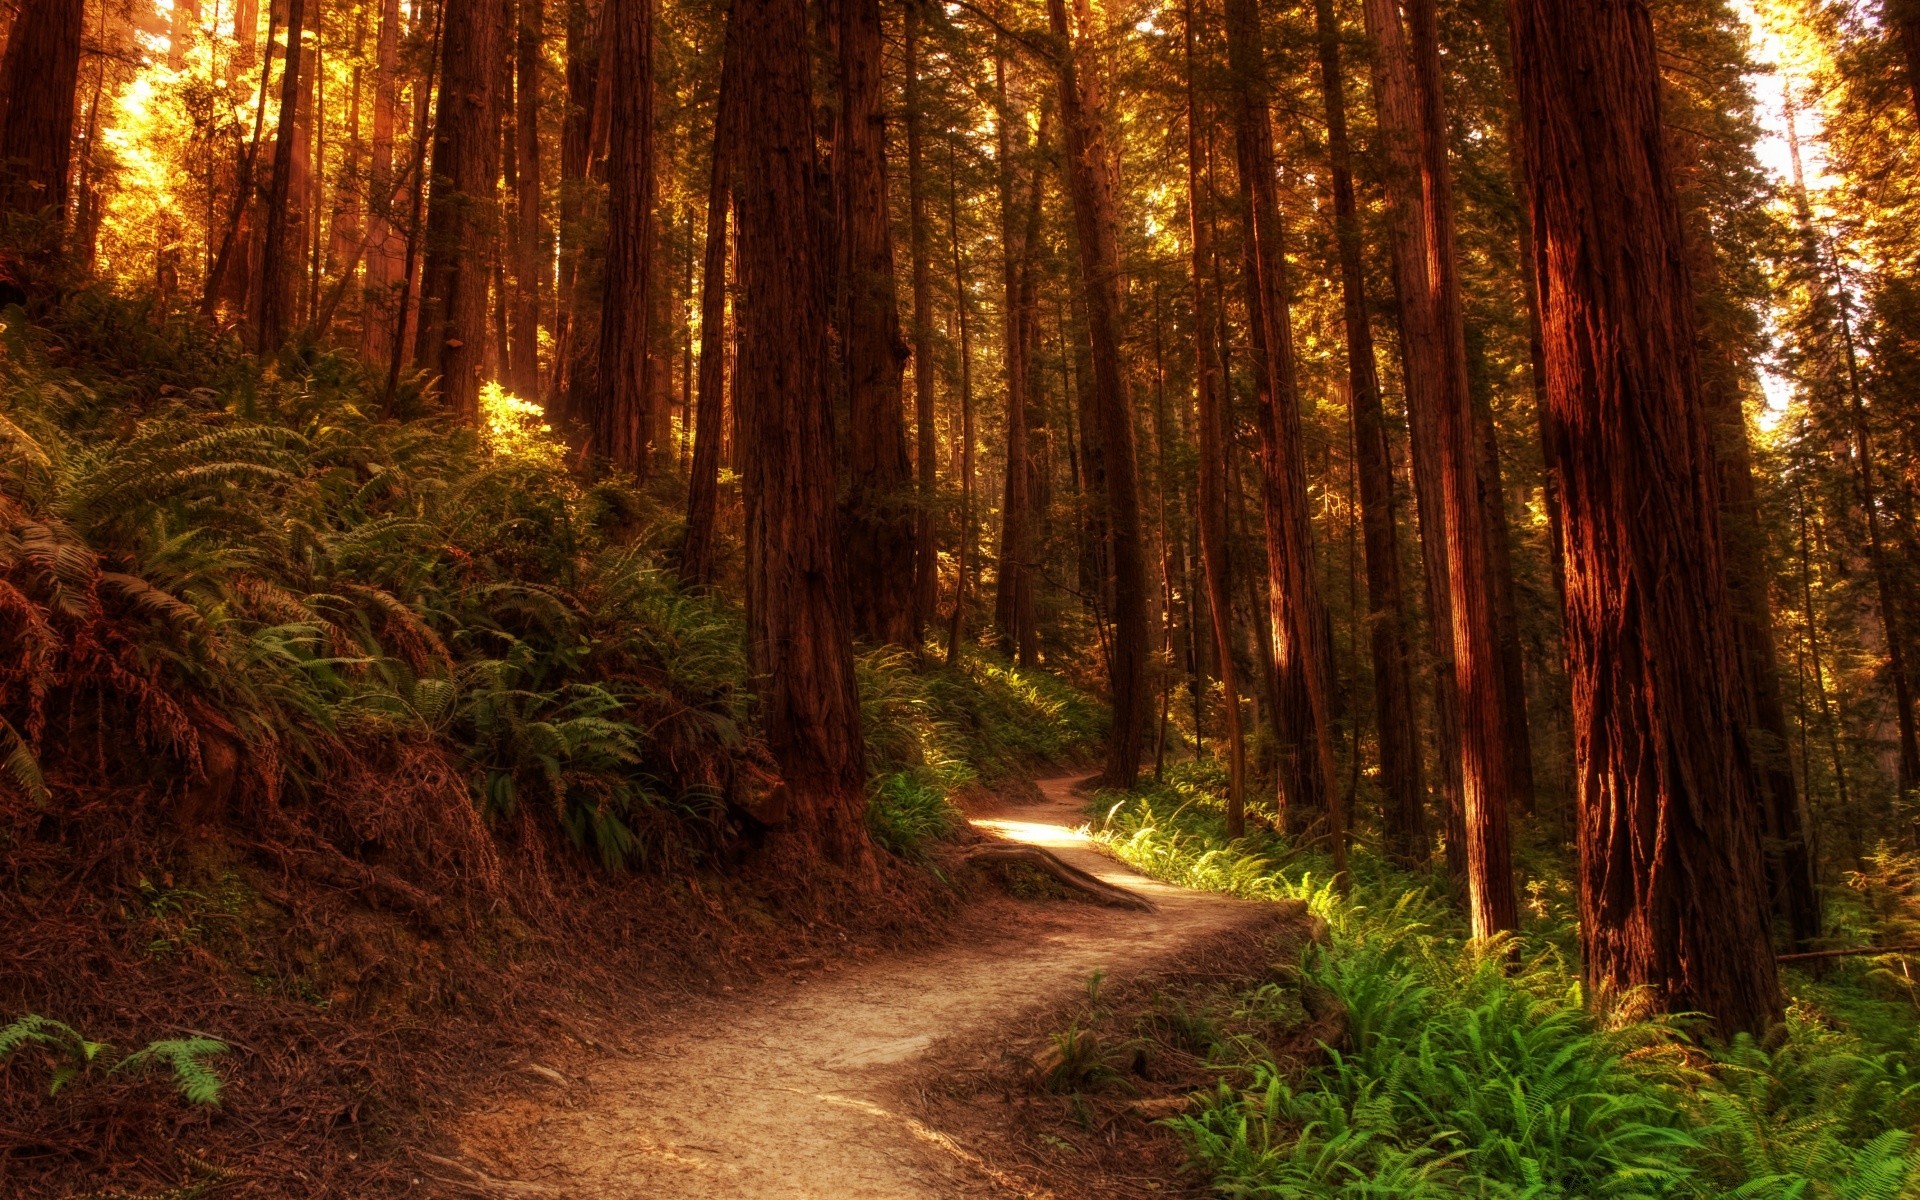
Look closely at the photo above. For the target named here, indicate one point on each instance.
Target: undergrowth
(1480, 1070)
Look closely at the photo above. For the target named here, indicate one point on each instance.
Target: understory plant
(1481, 1069)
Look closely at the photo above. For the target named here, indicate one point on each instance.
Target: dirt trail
(800, 1094)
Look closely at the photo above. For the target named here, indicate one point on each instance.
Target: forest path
(800, 1092)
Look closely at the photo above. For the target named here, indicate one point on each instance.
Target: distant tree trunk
(878, 521)
(926, 558)
(964, 555)
(1014, 615)
(281, 242)
(1403, 820)
(1304, 683)
(38, 79)
(703, 487)
(1671, 874)
(1215, 449)
(798, 615)
(1089, 169)
(574, 312)
(385, 248)
(1903, 17)
(619, 418)
(453, 295)
(524, 319)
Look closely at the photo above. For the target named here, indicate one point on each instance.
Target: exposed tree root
(1051, 865)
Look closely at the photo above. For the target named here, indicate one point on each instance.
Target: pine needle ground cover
(1472, 1070)
(373, 747)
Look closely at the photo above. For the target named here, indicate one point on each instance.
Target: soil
(817, 1084)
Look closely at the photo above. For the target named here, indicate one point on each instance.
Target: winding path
(800, 1096)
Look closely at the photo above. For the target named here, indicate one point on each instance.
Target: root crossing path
(800, 1094)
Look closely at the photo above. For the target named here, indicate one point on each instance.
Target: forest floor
(817, 1084)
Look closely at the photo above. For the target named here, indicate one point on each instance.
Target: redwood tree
(703, 485)
(1671, 894)
(879, 514)
(453, 291)
(1090, 183)
(798, 616)
(38, 77)
(619, 417)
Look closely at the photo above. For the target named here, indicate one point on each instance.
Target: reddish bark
(1311, 798)
(1671, 876)
(453, 295)
(528, 235)
(1014, 615)
(1403, 821)
(798, 614)
(1089, 169)
(38, 78)
(280, 243)
(703, 486)
(926, 560)
(878, 516)
(619, 418)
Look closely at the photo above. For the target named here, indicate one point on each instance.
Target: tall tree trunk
(38, 78)
(1304, 682)
(274, 297)
(703, 486)
(1403, 821)
(524, 319)
(926, 559)
(386, 248)
(1014, 615)
(798, 615)
(1903, 17)
(453, 295)
(878, 522)
(619, 417)
(1214, 451)
(964, 555)
(1089, 169)
(1671, 875)
(1485, 778)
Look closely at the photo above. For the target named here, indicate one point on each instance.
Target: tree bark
(799, 618)
(1311, 798)
(926, 557)
(1403, 821)
(1671, 875)
(38, 78)
(1014, 615)
(1090, 183)
(619, 420)
(703, 486)
(453, 295)
(281, 241)
(524, 319)
(878, 517)
(1214, 449)
(964, 547)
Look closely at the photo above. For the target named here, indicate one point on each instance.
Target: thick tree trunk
(38, 79)
(273, 295)
(878, 518)
(453, 295)
(926, 556)
(619, 421)
(524, 317)
(1672, 881)
(1214, 449)
(1403, 821)
(703, 486)
(1089, 169)
(798, 616)
(1311, 797)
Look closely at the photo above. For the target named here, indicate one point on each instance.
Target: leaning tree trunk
(1304, 681)
(1214, 451)
(619, 417)
(453, 290)
(703, 487)
(798, 616)
(878, 521)
(1089, 168)
(38, 78)
(1402, 819)
(1671, 876)
(280, 245)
